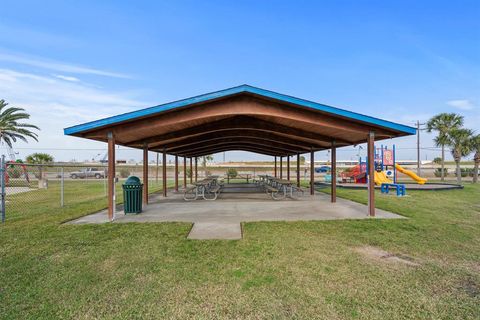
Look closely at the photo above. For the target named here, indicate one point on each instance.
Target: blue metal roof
(232, 91)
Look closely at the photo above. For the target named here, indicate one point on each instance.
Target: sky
(68, 62)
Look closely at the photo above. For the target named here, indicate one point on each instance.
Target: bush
(438, 172)
(232, 172)
(437, 160)
(465, 172)
(124, 173)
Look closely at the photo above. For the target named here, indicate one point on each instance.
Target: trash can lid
(133, 181)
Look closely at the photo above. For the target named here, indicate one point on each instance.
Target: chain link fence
(25, 187)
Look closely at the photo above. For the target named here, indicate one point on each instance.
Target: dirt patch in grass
(378, 254)
(470, 287)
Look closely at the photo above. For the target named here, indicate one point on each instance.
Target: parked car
(88, 173)
(322, 169)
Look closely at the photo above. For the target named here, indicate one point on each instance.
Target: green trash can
(132, 195)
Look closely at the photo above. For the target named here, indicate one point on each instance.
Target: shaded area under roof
(240, 118)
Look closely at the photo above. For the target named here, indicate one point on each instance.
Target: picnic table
(208, 189)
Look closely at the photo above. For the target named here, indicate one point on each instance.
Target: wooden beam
(333, 172)
(238, 134)
(281, 167)
(164, 175)
(185, 172)
(196, 169)
(145, 174)
(288, 167)
(111, 175)
(254, 143)
(219, 149)
(312, 172)
(191, 170)
(274, 112)
(233, 146)
(371, 173)
(298, 170)
(237, 124)
(176, 173)
(275, 168)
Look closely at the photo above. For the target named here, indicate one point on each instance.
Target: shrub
(232, 172)
(465, 172)
(124, 173)
(438, 172)
(437, 160)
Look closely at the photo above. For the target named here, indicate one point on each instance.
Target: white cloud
(57, 66)
(55, 104)
(462, 104)
(66, 78)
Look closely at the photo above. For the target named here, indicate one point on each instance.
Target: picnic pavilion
(240, 118)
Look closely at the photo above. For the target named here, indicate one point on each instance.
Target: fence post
(2, 180)
(62, 187)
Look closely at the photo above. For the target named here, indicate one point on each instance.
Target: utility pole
(418, 147)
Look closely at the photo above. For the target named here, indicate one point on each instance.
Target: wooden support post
(185, 172)
(288, 167)
(111, 175)
(298, 170)
(176, 173)
(281, 167)
(275, 168)
(156, 172)
(312, 172)
(333, 172)
(371, 173)
(196, 169)
(164, 175)
(191, 171)
(145, 174)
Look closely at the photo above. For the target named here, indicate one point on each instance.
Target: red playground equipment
(357, 174)
(14, 164)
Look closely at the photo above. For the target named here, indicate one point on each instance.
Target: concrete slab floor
(230, 209)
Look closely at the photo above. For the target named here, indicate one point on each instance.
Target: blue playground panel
(401, 190)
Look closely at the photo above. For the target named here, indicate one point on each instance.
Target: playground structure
(385, 169)
(12, 164)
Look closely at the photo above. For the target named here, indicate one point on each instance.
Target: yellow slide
(411, 174)
(381, 177)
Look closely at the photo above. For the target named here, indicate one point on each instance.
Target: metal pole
(312, 172)
(62, 186)
(298, 170)
(333, 172)
(418, 147)
(3, 171)
(371, 173)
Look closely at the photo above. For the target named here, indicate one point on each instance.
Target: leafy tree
(443, 123)
(437, 160)
(302, 159)
(39, 158)
(460, 142)
(476, 157)
(11, 129)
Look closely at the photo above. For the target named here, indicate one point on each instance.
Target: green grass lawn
(279, 270)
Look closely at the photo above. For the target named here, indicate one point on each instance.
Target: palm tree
(476, 157)
(40, 159)
(460, 140)
(442, 123)
(205, 159)
(10, 129)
